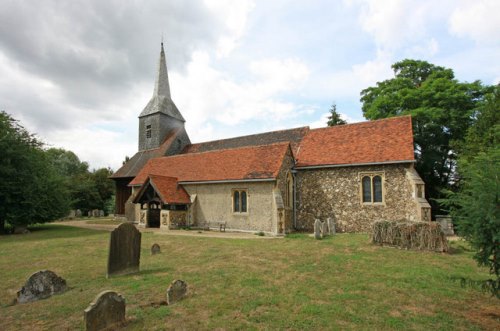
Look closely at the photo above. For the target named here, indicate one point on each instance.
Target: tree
(30, 189)
(334, 118)
(442, 110)
(475, 207)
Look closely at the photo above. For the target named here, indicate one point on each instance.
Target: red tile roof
(255, 162)
(135, 164)
(386, 140)
(169, 190)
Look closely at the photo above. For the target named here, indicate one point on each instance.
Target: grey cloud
(94, 51)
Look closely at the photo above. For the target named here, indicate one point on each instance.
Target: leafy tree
(334, 118)
(67, 163)
(475, 206)
(30, 189)
(442, 110)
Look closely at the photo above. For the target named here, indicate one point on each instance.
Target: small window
(148, 131)
(240, 203)
(372, 189)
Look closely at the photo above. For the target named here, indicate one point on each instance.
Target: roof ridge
(230, 148)
(363, 122)
(250, 135)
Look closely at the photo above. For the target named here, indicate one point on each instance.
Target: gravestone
(41, 285)
(176, 291)
(331, 226)
(155, 249)
(78, 213)
(317, 229)
(72, 214)
(89, 214)
(324, 229)
(107, 310)
(101, 213)
(95, 212)
(124, 250)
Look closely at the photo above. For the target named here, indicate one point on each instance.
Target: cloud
(222, 99)
(477, 20)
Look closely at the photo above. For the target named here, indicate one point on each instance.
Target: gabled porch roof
(167, 188)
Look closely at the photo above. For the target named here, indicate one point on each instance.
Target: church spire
(162, 87)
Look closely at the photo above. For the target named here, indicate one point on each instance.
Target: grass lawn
(342, 282)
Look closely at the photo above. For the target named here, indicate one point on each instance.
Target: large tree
(442, 109)
(31, 190)
(475, 206)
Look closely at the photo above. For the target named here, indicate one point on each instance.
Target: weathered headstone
(107, 310)
(95, 212)
(72, 214)
(78, 213)
(124, 250)
(21, 229)
(101, 213)
(41, 285)
(317, 229)
(324, 229)
(155, 249)
(176, 291)
(89, 214)
(331, 226)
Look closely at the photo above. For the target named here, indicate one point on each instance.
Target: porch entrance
(154, 214)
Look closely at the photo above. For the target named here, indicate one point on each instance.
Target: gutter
(352, 164)
(229, 181)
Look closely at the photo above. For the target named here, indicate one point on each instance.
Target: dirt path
(192, 233)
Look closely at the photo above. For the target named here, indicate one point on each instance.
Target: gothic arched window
(240, 201)
(372, 191)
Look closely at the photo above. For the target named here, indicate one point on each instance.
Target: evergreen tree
(334, 118)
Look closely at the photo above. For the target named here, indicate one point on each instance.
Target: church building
(274, 182)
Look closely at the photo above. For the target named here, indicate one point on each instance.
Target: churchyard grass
(340, 282)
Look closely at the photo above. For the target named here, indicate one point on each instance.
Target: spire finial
(162, 40)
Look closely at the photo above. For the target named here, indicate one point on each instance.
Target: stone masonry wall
(336, 193)
(214, 203)
(288, 164)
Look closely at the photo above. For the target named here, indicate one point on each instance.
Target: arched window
(236, 201)
(240, 201)
(367, 189)
(372, 189)
(289, 191)
(377, 189)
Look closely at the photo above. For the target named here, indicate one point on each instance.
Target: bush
(410, 235)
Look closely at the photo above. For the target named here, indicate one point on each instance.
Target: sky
(78, 73)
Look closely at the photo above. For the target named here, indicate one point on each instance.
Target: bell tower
(160, 116)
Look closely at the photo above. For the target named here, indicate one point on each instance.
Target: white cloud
(477, 20)
(234, 14)
(321, 122)
(219, 97)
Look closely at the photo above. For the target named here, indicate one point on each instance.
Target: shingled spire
(162, 87)
(160, 117)
(161, 102)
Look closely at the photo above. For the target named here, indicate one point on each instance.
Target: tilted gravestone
(155, 249)
(107, 310)
(41, 285)
(124, 250)
(317, 229)
(176, 291)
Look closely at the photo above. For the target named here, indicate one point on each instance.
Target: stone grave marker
(176, 291)
(317, 229)
(155, 249)
(331, 226)
(41, 285)
(89, 213)
(78, 213)
(324, 229)
(124, 250)
(107, 310)
(101, 213)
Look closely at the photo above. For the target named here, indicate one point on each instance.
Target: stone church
(274, 182)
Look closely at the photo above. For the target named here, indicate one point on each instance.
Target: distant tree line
(39, 185)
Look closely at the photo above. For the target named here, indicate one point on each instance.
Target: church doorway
(154, 214)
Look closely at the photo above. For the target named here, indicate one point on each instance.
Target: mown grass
(342, 282)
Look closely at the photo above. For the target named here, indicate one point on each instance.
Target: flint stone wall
(336, 193)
